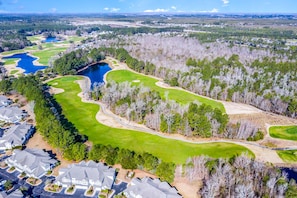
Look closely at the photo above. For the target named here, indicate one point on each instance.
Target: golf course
(83, 116)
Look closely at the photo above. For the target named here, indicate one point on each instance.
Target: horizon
(148, 6)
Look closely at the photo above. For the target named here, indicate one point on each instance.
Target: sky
(148, 6)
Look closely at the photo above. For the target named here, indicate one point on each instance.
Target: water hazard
(26, 63)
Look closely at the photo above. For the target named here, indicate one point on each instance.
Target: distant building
(86, 174)
(4, 101)
(11, 114)
(17, 135)
(148, 187)
(34, 162)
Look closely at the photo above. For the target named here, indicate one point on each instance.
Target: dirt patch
(239, 108)
(54, 90)
(136, 81)
(138, 173)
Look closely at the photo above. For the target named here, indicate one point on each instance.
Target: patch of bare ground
(138, 173)
(186, 188)
(54, 90)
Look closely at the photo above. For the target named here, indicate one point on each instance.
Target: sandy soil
(54, 90)
(11, 67)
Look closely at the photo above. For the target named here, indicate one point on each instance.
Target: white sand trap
(136, 81)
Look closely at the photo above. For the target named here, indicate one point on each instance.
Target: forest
(215, 70)
(237, 177)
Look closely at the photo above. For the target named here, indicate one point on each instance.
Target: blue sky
(131, 6)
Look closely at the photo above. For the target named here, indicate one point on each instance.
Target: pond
(292, 173)
(51, 40)
(96, 73)
(26, 63)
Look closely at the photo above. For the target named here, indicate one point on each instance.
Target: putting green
(284, 132)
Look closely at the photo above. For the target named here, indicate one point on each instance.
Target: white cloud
(214, 10)
(54, 10)
(106, 9)
(114, 9)
(156, 10)
(225, 2)
(173, 7)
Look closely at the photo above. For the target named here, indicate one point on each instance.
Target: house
(16, 194)
(17, 135)
(34, 162)
(148, 187)
(86, 174)
(4, 101)
(11, 114)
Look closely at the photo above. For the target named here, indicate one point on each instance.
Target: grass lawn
(179, 96)
(13, 71)
(284, 132)
(82, 115)
(10, 61)
(45, 55)
(13, 52)
(288, 156)
(34, 38)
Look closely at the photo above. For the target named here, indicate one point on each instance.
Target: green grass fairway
(45, 55)
(13, 52)
(179, 96)
(13, 71)
(10, 61)
(284, 132)
(288, 156)
(82, 115)
(34, 38)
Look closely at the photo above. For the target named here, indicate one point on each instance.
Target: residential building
(4, 101)
(148, 187)
(17, 135)
(34, 162)
(11, 114)
(86, 174)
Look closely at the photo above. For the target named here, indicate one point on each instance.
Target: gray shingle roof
(33, 161)
(11, 114)
(4, 101)
(148, 187)
(87, 171)
(16, 135)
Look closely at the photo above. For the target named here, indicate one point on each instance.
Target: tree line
(71, 62)
(132, 160)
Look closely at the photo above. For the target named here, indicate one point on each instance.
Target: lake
(292, 173)
(96, 73)
(26, 63)
(51, 40)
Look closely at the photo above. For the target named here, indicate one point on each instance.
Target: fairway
(45, 55)
(10, 61)
(82, 115)
(284, 132)
(179, 96)
(288, 156)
